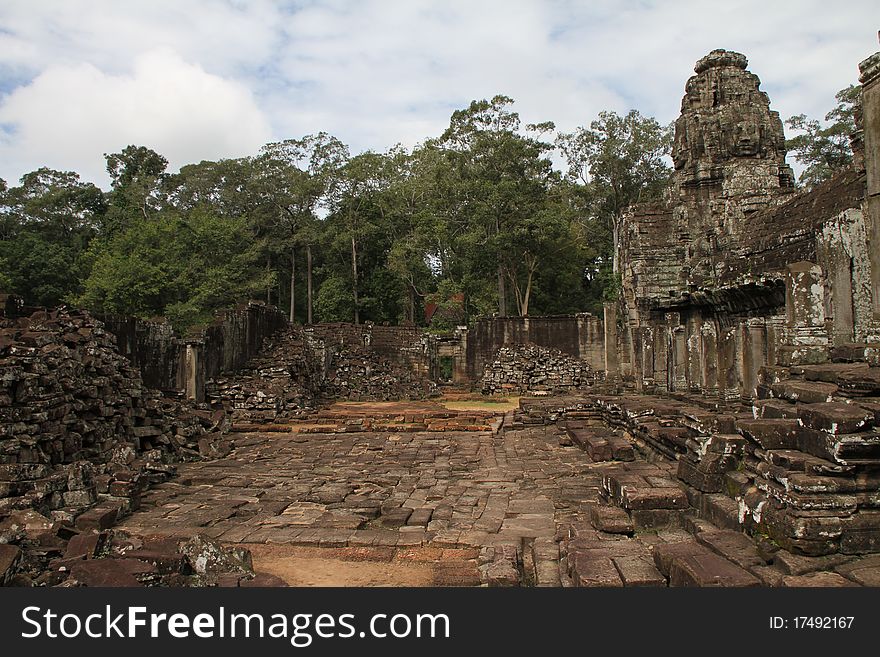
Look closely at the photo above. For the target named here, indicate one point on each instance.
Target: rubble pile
(77, 425)
(53, 554)
(278, 384)
(812, 463)
(530, 368)
(361, 374)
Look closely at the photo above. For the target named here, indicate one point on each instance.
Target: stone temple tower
(729, 158)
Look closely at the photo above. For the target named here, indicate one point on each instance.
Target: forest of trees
(475, 221)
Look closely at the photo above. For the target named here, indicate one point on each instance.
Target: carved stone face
(747, 137)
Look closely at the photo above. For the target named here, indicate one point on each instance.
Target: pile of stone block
(812, 463)
(362, 374)
(528, 368)
(278, 384)
(77, 426)
(53, 554)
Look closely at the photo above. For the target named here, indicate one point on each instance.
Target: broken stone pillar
(728, 367)
(870, 78)
(660, 350)
(709, 359)
(694, 352)
(754, 338)
(194, 370)
(805, 316)
(611, 363)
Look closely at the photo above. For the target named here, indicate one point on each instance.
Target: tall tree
(825, 150)
(618, 161)
(46, 223)
(503, 175)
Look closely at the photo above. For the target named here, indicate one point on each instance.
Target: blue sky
(207, 79)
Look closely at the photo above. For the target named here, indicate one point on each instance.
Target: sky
(209, 79)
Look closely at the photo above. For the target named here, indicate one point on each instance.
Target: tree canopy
(825, 149)
(473, 221)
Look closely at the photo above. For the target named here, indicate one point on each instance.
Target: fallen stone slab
(103, 572)
(665, 553)
(709, 570)
(595, 572)
(644, 498)
(818, 580)
(9, 558)
(733, 546)
(771, 409)
(835, 417)
(771, 433)
(808, 392)
(610, 519)
(638, 571)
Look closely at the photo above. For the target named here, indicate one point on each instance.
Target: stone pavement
(531, 504)
(494, 493)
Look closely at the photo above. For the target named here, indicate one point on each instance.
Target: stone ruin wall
(81, 435)
(739, 289)
(581, 336)
(735, 270)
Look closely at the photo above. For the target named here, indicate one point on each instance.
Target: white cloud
(377, 72)
(71, 114)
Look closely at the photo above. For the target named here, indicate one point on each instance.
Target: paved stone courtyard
(471, 494)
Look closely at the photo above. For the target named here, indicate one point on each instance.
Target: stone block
(646, 497)
(610, 519)
(819, 580)
(771, 433)
(595, 572)
(733, 546)
(692, 475)
(9, 559)
(835, 417)
(638, 571)
(709, 570)
(807, 392)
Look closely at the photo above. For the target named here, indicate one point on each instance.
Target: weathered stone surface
(610, 519)
(595, 572)
(527, 367)
(835, 417)
(823, 580)
(9, 557)
(771, 433)
(709, 569)
(638, 571)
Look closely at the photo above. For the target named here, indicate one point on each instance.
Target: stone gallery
(719, 426)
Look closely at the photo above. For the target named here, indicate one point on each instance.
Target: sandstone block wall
(581, 336)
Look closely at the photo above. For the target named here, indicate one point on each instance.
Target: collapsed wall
(528, 368)
(77, 423)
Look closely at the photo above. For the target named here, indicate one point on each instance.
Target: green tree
(136, 174)
(502, 175)
(184, 268)
(46, 223)
(825, 149)
(618, 161)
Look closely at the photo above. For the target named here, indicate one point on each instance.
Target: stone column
(728, 367)
(709, 359)
(753, 356)
(194, 371)
(612, 368)
(870, 79)
(694, 352)
(647, 341)
(805, 316)
(680, 358)
(661, 351)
